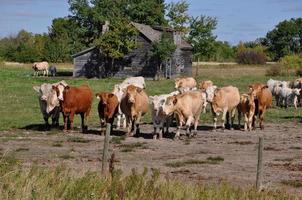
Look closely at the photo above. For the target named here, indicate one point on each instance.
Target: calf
(41, 66)
(186, 108)
(76, 100)
(203, 85)
(263, 101)
(159, 118)
(247, 108)
(185, 84)
(52, 70)
(107, 108)
(134, 105)
(226, 99)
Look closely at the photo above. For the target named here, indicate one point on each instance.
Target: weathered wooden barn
(91, 63)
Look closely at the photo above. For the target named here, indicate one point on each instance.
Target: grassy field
(20, 109)
(60, 183)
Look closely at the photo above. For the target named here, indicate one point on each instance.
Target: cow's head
(59, 89)
(104, 97)
(131, 91)
(170, 105)
(210, 93)
(47, 95)
(178, 83)
(157, 103)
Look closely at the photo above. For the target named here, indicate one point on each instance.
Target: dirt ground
(209, 157)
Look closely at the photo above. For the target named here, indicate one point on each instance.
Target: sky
(238, 20)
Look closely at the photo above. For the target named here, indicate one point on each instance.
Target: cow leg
(66, 119)
(124, 121)
(295, 101)
(71, 118)
(261, 117)
(214, 121)
(118, 123)
(55, 117)
(250, 120)
(246, 121)
(154, 133)
(233, 112)
(129, 125)
(227, 118)
(223, 119)
(239, 119)
(46, 123)
(188, 126)
(83, 122)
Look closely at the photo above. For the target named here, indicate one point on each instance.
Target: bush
(1, 60)
(292, 61)
(250, 55)
(274, 70)
(299, 72)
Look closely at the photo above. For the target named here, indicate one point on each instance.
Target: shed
(91, 63)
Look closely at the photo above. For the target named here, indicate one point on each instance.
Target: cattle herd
(128, 102)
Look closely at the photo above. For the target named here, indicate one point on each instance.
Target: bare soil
(233, 153)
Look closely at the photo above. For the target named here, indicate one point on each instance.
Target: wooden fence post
(105, 149)
(259, 165)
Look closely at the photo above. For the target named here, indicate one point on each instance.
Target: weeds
(293, 183)
(131, 147)
(78, 140)
(209, 160)
(117, 140)
(66, 156)
(57, 144)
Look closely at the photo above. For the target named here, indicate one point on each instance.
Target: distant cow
(49, 103)
(289, 96)
(298, 84)
(159, 118)
(52, 70)
(187, 108)
(134, 105)
(41, 66)
(263, 101)
(247, 108)
(76, 100)
(185, 84)
(203, 85)
(108, 107)
(225, 100)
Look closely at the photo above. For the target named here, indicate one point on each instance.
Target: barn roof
(152, 34)
(82, 52)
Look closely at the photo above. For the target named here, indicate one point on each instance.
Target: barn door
(168, 71)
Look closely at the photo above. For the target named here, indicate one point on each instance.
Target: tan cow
(134, 105)
(185, 84)
(247, 108)
(203, 85)
(263, 101)
(225, 100)
(186, 108)
(40, 66)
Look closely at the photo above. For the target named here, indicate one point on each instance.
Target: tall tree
(201, 36)
(285, 39)
(178, 16)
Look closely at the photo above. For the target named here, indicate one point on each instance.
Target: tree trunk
(197, 67)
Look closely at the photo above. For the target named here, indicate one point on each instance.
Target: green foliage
(223, 52)
(248, 55)
(299, 72)
(201, 36)
(163, 49)
(292, 61)
(285, 39)
(178, 16)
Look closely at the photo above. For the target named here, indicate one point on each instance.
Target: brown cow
(108, 107)
(187, 108)
(225, 100)
(247, 108)
(263, 101)
(134, 105)
(76, 100)
(203, 85)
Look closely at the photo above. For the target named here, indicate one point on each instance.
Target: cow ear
(110, 95)
(264, 87)
(36, 88)
(67, 87)
(250, 87)
(174, 101)
(97, 95)
(139, 90)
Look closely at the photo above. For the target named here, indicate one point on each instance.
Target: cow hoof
(154, 137)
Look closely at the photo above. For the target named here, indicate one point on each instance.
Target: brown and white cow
(185, 84)
(107, 108)
(263, 101)
(76, 100)
(186, 108)
(247, 108)
(225, 100)
(134, 105)
(49, 102)
(41, 66)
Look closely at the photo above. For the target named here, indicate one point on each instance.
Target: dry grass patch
(210, 160)
(78, 140)
(293, 183)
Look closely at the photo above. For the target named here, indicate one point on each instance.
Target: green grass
(20, 108)
(60, 183)
(209, 160)
(78, 140)
(133, 146)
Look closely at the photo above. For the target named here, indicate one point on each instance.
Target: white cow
(289, 96)
(276, 92)
(159, 118)
(40, 66)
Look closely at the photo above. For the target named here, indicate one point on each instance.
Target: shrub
(292, 61)
(299, 72)
(250, 55)
(1, 60)
(274, 70)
